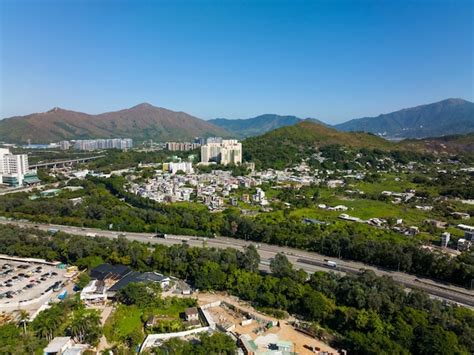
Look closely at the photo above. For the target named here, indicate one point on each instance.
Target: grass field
(124, 321)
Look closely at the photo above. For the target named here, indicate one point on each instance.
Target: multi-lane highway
(308, 261)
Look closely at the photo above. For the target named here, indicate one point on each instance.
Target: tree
(174, 346)
(9, 336)
(251, 258)
(142, 294)
(85, 326)
(24, 316)
(217, 343)
(280, 266)
(84, 280)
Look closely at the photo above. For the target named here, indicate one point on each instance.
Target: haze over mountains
(144, 121)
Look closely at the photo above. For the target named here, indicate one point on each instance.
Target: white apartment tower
(445, 239)
(229, 151)
(13, 167)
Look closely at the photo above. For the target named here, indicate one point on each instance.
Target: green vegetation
(107, 203)
(67, 318)
(216, 343)
(364, 314)
(139, 302)
(125, 326)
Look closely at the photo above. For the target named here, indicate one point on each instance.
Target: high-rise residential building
(14, 169)
(229, 151)
(181, 146)
(200, 140)
(214, 140)
(445, 239)
(113, 143)
(65, 145)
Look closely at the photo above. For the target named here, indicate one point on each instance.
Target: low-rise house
(191, 314)
(460, 215)
(469, 235)
(436, 223)
(95, 291)
(335, 183)
(464, 245)
(64, 346)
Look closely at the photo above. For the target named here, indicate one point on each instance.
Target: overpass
(60, 163)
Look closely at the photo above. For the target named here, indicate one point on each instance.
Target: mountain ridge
(140, 122)
(248, 127)
(446, 117)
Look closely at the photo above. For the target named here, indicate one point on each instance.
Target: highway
(308, 261)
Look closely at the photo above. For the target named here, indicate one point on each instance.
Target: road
(308, 261)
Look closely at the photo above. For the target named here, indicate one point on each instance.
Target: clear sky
(332, 60)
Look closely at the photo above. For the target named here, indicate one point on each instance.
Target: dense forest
(363, 313)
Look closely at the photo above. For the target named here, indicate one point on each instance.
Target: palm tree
(24, 317)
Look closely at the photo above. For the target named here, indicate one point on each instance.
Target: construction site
(257, 333)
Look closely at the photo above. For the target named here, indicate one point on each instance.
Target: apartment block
(14, 169)
(229, 151)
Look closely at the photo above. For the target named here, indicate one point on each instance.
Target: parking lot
(26, 283)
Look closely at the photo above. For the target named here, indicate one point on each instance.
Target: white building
(464, 245)
(173, 168)
(113, 143)
(95, 291)
(13, 168)
(229, 151)
(445, 239)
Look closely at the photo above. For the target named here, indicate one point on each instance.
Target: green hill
(286, 146)
(255, 126)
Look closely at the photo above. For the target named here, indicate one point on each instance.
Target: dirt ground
(223, 315)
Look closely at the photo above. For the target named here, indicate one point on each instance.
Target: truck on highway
(53, 230)
(331, 263)
(159, 235)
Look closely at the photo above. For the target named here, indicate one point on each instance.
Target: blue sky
(332, 60)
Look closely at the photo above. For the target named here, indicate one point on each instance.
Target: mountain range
(258, 125)
(144, 121)
(140, 122)
(447, 117)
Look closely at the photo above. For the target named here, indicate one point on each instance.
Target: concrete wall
(150, 339)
